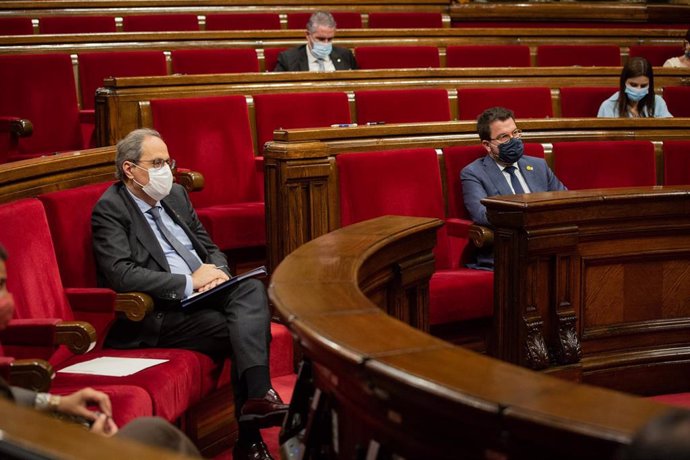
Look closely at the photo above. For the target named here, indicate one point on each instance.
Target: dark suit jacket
(481, 179)
(129, 257)
(295, 59)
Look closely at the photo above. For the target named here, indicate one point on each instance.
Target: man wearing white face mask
(147, 237)
(636, 96)
(319, 54)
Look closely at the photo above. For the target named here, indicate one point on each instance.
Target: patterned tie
(514, 180)
(322, 64)
(190, 259)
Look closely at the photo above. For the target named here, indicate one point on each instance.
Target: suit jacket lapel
(529, 176)
(143, 231)
(496, 176)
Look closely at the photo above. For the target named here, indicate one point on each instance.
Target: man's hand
(104, 426)
(76, 404)
(207, 277)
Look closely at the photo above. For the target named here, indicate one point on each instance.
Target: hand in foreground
(207, 277)
(104, 426)
(77, 402)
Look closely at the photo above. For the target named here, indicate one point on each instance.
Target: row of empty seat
(211, 21)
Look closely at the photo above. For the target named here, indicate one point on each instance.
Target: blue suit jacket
(482, 178)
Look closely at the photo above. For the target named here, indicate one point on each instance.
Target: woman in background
(636, 96)
(684, 60)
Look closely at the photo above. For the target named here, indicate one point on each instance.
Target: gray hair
(129, 148)
(320, 18)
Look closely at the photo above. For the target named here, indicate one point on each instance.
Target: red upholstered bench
(243, 21)
(160, 23)
(528, 102)
(402, 105)
(488, 56)
(76, 24)
(397, 57)
(214, 60)
(584, 101)
(580, 55)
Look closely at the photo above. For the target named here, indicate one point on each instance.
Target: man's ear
(127, 169)
(486, 146)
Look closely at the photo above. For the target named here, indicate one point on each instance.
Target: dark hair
(636, 67)
(3, 253)
(489, 116)
(666, 437)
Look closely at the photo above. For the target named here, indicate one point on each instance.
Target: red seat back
(69, 218)
(33, 277)
(41, 88)
(211, 135)
(656, 54)
(397, 57)
(401, 182)
(402, 105)
(584, 101)
(343, 20)
(16, 26)
(298, 110)
(214, 60)
(417, 20)
(580, 55)
(160, 23)
(243, 21)
(77, 24)
(601, 164)
(677, 162)
(678, 100)
(94, 67)
(531, 102)
(271, 58)
(455, 159)
(488, 56)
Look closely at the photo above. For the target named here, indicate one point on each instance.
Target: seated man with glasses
(503, 171)
(147, 237)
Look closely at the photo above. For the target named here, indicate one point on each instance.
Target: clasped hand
(207, 277)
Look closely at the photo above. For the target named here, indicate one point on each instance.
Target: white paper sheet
(115, 367)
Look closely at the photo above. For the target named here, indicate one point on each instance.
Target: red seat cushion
(460, 294)
(678, 100)
(271, 58)
(243, 21)
(402, 105)
(16, 26)
(237, 225)
(677, 162)
(655, 54)
(204, 61)
(674, 399)
(128, 401)
(531, 102)
(160, 23)
(397, 57)
(584, 101)
(488, 56)
(580, 55)
(77, 24)
(404, 20)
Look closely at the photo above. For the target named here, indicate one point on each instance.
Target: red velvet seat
(584, 165)
(243, 21)
(94, 67)
(488, 56)
(397, 57)
(408, 182)
(405, 20)
(530, 102)
(40, 88)
(583, 101)
(16, 26)
(402, 105)
(298, 110)
(271, 58)
(214, 60)
(343, 19)
(678, 100)
(160, 23)
(677, 162)
(76, 24)
(656, 54)
(212, 135)
(578, 55)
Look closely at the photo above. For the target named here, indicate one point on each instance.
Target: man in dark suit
(147, 237)
(503, 171)
(148, 430)
(319, 54)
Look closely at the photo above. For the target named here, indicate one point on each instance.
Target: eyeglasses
(158, 163)
(503, 138)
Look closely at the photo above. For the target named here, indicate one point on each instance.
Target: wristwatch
(47, 402)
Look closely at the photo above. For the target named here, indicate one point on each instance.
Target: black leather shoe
(253, 451)
(264, 412)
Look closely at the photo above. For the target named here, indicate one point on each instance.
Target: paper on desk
(115, 367)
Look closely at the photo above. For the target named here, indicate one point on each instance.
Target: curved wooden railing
(384, 385)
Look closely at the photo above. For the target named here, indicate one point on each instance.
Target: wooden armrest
(134, 305)
(20, 127)
(193, 181)
(32, 374)
(78, 336)
(481, 236)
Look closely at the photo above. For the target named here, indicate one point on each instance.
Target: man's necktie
(190, 259)
(514, 179)
(322, 64)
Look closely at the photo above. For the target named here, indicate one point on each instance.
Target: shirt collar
(143, 205)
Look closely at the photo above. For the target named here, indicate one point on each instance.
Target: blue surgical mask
(321, 50)
(511, 151)
(636, 94)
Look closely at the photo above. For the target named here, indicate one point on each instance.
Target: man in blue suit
(503, 171)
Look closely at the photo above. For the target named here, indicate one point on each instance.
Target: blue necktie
(514, 180)
(190, 259)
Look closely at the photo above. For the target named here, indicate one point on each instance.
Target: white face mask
(160, 182)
